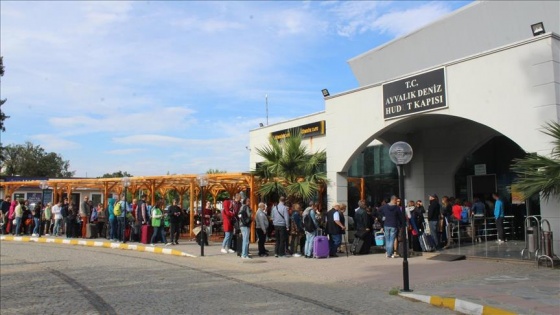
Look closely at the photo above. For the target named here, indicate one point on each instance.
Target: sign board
(308, 130)
(47, 195)
(34, 197)
(415, 94)
(517, 198)
(480, 169)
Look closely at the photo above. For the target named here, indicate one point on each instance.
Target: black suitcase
(77, 230)
(233, 243)
(357, 246)
(366, 248)
(91, 230)
(239, 246)
(202, 236)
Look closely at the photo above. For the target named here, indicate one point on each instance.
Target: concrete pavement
(472, 286)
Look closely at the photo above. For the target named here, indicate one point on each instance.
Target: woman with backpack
(311, 225)
(245, 224)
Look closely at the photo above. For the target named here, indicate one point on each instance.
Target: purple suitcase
(321, 247)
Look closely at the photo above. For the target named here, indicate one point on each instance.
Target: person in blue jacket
(499, 216)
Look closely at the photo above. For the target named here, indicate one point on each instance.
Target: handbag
(293, 228)
(440, 224)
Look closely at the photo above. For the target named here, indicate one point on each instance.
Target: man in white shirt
(57, 218)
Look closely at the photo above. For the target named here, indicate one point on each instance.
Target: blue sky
(156, 87)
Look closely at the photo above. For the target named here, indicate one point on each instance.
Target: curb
(457, 305)
(92, 243)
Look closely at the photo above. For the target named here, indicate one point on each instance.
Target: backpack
(117, 209)
(244, 218)
(465, 215)
(308, 224)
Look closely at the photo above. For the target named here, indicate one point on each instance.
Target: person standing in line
(433, 218)
(37, 218)
(112, 235)
(72, 223)
(47, 217)
(244, 218)
(296, 231)
(57, 218)
(85, 212)
(101, 219)
(121, 220)
(228, 219)
(310, 211)
(479, 212)
(261, 225)
(335, 229)
(5, 208)
(141, 216)
(175, 222)
(157, 222)
(499, 216)
(281, 222)
(393, 221)
(11, 216)
(19, 215)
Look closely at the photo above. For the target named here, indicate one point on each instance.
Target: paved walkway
(471, 286)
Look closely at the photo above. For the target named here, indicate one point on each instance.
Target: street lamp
(126, 182)
(202, 182)
(401, 153)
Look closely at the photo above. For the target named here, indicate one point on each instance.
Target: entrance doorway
(481, 186)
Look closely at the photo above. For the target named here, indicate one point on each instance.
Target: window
(96, 199)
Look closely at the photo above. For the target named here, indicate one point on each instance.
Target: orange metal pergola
(231, 183)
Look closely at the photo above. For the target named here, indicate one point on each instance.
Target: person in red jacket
(228, 217)
(457, 209)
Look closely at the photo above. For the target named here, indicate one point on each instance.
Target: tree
(116, 174)
(2, 101)
(537, 173)
(290, 170)
(28, 160)
(215, 171)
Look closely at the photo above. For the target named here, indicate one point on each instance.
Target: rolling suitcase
(146, 234)
(233, 243)
(239, 245)
(366, 247)
(202, 236)
(321, 247)
(357, 246)
(426, 242)
(91, 230)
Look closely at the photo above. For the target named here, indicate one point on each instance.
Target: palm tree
(289, 169)
(537, 173)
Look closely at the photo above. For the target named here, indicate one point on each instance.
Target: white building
(469, 93)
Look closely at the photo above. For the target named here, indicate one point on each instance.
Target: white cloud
(152, 140)
(124, 151)
(155, 119)
(392, 18)
(184, 81)
(399, 23)
(54, 143)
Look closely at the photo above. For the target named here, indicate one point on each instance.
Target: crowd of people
(119, 221)
(292, 227)
(395, 221)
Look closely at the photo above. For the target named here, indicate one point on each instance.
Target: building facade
(470, 93)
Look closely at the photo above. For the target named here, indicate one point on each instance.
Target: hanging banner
(416, 94)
